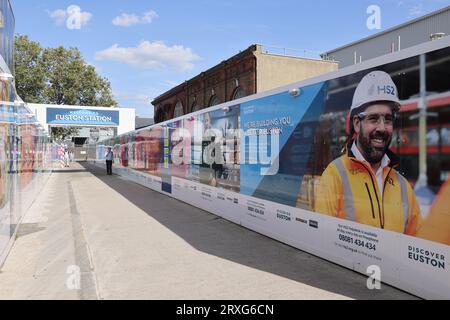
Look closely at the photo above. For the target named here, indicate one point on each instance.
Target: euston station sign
(89, 117)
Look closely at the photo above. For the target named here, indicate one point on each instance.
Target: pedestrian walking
(109, 161)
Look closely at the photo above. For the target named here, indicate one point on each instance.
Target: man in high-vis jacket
(363, 185)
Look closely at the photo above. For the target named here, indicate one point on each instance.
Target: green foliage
(58, 76)
(29, 69)
(60, 133)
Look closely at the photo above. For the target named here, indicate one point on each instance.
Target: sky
(145, 48)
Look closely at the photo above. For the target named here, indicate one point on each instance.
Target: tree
(60, 133)
(58, 76)
(29, 69)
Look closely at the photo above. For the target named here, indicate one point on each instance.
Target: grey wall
(410, 35)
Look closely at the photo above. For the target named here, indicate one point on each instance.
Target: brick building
(249, 72)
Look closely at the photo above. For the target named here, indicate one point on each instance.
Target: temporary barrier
(25, 152)
(283, 163)
(25, 163)
(62, 157)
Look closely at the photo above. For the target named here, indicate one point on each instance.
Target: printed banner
(334, 168)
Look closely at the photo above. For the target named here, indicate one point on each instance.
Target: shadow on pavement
(216, 236)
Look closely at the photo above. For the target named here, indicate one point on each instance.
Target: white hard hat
(375, 86)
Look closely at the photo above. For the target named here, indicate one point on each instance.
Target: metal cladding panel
(410, 35)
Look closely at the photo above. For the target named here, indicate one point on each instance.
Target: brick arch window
(195, 107)
(238, 93)
(214, 101)
(178, 111)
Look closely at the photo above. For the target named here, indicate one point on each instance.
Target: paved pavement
(91, 236)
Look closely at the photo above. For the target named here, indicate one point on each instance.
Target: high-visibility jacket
(348, 190)
(437, 226)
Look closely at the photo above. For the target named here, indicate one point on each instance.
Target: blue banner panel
(7, 113)
(82, 117)
(291, 123)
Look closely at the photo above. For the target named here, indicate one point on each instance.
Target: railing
(290, 52)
